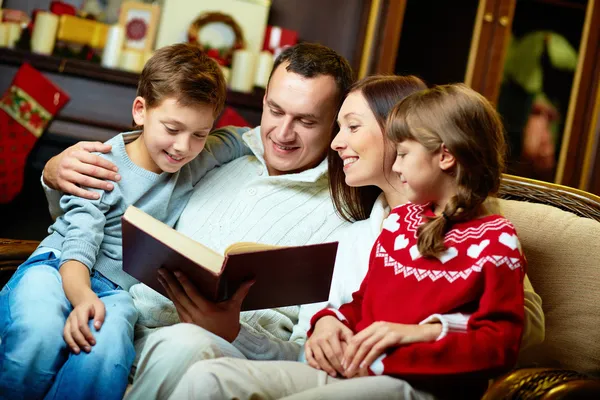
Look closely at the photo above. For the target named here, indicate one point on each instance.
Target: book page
(249, 247)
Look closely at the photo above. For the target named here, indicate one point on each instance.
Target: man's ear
(138, 110)
(447, 160)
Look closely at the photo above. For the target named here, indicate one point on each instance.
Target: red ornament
(213, 53)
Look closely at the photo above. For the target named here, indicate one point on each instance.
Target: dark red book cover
(284, 275)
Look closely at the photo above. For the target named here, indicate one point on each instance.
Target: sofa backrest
(563, 255)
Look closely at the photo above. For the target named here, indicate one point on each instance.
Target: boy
(74, 283)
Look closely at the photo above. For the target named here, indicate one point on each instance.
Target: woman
(363, 188)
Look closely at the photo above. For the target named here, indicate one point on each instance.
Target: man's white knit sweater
(241, 202)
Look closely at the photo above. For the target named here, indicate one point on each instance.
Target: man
(278, 196)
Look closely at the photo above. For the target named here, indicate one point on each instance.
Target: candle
(113, 46)
(147, 55)
(226, 73)
(131, 60)
(13, 34)
(43, 36)
(3, 35)
(263, 69)
(242, 71)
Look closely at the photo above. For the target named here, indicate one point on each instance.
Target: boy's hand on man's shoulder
(76, 167)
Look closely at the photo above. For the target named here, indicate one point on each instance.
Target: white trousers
(163, 355)
(234, 378)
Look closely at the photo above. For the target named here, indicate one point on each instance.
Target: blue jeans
(34, 358)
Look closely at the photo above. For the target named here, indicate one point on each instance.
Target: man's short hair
(312, 59)
(183, 71)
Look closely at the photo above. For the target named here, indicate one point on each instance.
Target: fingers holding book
(220, 318)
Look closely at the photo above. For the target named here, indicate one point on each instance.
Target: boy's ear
(138, 110)
(447, 160)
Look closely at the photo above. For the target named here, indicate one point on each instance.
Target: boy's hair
(312, 59)
(470, 128)
(185, 72)
(381, 92)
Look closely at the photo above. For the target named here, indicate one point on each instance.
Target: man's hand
(76, 167)
(222, 319)
(325, 347)
(373, 341)
(77, 332)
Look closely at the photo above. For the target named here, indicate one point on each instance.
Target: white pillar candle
(242, 71)
(43, 36)
(13, 34)
(112, 48)
(147, 55)
(263, 69)
(131, 60)
(3, 35)
(226, 73)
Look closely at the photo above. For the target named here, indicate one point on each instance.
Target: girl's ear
(138, 110)
(447, 160)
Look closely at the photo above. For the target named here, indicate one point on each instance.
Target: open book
(284, 275)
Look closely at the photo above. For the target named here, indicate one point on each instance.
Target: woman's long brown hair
(381, 92)
(470, 128)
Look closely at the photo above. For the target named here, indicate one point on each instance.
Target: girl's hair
(381, 92)
(470, 128)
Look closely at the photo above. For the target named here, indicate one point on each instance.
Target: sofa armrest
(13, 252)
(544, 383)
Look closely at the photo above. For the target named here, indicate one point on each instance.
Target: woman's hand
(373, 341)
(325, 348)
(76, 167)
(77, 332)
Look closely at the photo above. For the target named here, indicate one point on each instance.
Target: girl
(442, 251)
(361, 187)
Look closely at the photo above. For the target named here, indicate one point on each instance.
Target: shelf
(89, 70)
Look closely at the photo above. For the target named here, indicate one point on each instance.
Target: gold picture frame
(140, 22)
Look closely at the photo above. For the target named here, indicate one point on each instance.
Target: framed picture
(140, 21)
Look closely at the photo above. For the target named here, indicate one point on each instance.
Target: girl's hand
(373, 341)
(326, 346)
(77, 333)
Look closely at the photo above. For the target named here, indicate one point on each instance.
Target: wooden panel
(483, 35)
(502, 24)
(339, 24)
(389, 37)
(581, 118)
(593, 183)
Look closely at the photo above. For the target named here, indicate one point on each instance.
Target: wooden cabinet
(468, 41)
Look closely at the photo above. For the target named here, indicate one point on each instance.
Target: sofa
(559, 229)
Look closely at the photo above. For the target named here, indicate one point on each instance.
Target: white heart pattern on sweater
(476, 249)
(448, 255)
(510, 241)
(391, 223)
(414, 252)
(401, 242)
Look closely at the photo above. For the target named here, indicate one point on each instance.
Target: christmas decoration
(26, 109)
(222, 55)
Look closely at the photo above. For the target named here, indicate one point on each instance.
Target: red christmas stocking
(26, 108)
